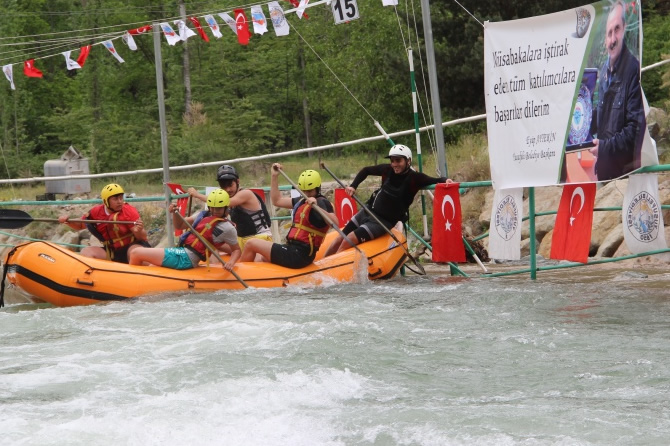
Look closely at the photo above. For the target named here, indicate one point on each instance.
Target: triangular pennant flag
(184, 31)
(505, 228)
(345, 207)
(447, 233)
(182, 203)
(229, 21)
(198, 28)
(110, 47)
(83, 54)
(389, 2)
(69, 63)
(242, 25)
(643, 228)
(259, 20)
(171, 36)
(295, 4)
(301, 8)
(128, 40)
(571, 239)
(278, 19)
(141, 30)
(9, 74)
(213, 26)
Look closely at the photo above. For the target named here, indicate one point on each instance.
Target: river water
(569, 359)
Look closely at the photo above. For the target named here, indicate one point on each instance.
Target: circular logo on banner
(642, 217)
(506, 218)
(277, 16)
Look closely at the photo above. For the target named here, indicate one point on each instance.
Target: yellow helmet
(309, 179)
(218, 198)
(109, 191)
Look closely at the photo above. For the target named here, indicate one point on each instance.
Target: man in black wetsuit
(390, 203)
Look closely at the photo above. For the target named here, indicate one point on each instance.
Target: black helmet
(226, 172)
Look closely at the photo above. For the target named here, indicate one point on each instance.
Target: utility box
(70, 163)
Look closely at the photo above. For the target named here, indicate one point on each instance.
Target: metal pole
(434, 92)
(161, 115)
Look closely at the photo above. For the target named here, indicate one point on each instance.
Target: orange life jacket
(303, 231)
(112, 236)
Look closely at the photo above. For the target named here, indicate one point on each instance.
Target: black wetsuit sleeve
(378, 170)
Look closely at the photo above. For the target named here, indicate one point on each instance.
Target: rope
(471, 14)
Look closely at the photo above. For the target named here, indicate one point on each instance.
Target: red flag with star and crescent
(243, 33)
(30, 70)
(572, 231)
(182, 203)
(447, 233)
(345, 207)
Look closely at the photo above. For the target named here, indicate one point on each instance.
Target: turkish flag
(83, 54)
(259, 192)
(295, 4)
(182, 203)
(198, 28)
(447, 233)
(30, 70)
(345, 207)
(140, 30)
(572, 230)
(243, 33)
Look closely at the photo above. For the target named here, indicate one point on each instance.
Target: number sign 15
(344, 10)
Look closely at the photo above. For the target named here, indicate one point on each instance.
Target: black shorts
(292, 255)
(121, 254)
(366, 227)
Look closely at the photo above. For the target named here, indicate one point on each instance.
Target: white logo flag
(171, 36)
(259, 20)
(9, 74)
(213, 26)
(184, 31)
(643, 228)
(505, 228)
(389, 2)
(69, 63)
(230, 21)
(301, 8)
(128, 40)
(278, 19)
(110, 47)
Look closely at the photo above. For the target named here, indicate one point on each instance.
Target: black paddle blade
(14, 218)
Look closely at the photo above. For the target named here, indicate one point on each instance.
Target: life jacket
(113, 237)
(203, 225)
(303, 231)
(250, 223)
(390, 202)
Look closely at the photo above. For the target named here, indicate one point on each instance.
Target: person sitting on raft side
(118, 240)
(246, 210)
(212, 224)
(308, 228)
(390, 203)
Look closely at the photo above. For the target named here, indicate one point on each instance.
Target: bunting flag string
(239, 25)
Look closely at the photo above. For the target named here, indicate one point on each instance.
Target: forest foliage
(273, 95)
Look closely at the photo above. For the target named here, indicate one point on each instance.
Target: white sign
(344, 10)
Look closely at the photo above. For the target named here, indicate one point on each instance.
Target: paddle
(422, 271)
(209, 246)
(15, 218)
(321, 212)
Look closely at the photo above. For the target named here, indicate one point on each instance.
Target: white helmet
(400, 150)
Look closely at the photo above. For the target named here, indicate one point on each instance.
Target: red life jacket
(303, 231)
(205, 228)
(113, 236)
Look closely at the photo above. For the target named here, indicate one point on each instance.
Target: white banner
(505, 227)
(642, 216)
(556, 110)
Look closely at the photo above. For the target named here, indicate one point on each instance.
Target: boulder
(611, 242)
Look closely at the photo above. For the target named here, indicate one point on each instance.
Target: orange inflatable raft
(50, 273)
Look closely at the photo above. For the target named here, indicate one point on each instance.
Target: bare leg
(346, 244)
(334, 246)
(256, 246)
(140, 255)
(94, 252)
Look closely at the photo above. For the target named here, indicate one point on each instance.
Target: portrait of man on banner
(608, 125)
